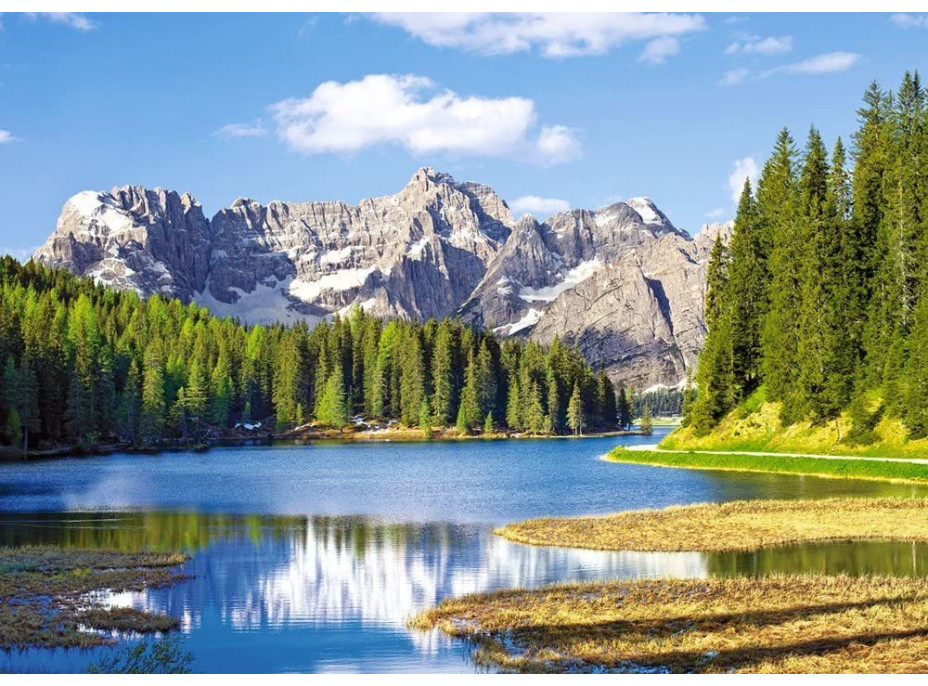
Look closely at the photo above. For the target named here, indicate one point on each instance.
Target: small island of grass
(738, 525)
(777, 624)
(798, 624)
(51, 597)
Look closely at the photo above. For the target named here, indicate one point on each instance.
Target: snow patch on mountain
(580, 273)
(530, 318)
(263, 305)
(340, 280)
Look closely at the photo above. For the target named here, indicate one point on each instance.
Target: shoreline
(293, 437)
(778, 624)
(738, 525)
(835, 467)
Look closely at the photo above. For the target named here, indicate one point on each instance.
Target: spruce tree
(333, 409)
(777, 201)
(575, 415)
(469, 411)
(815, 283)
(624, 410)
(714, 368)
(154, 409)
(645, 424)
(443, 380)
(425, 418)
(514, 404)
(534, 421)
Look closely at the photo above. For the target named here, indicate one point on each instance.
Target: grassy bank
(755, 426)
(50, 597)
(774, 624)
(738, 525)
(881, 470)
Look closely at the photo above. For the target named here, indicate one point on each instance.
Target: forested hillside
(83, 364)
(821, 297)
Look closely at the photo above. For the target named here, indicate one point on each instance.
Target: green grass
(836, 468)
(755, 426)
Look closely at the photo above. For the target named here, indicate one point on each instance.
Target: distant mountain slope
(623, 282)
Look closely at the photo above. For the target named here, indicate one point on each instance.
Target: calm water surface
(311, 558)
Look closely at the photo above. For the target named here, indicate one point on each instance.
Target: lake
(311, 558)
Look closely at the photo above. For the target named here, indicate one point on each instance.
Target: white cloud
(7, 137)
(412, 112)
(557, 144)
(659, 49)
(828, 63)
(538, 206)
(72, 20)
(715, 213)
(745, 168)
(254, 130)
(755, 45)
(733, 77)
(910, 21)
(553, 34)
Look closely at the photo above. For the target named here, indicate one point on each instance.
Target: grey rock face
(152, 241)
(622, 282)
(641, 316)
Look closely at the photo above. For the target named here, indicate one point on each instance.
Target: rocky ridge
(623, 283)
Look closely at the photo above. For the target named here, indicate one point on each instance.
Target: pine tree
(412, 379)
(575, 415)
(624, 410)
(555, 411)
(131, 403)
(843, 273)
(333, 409)
(815, 282)
(714, 369)
(514, 404)
(154, 409)
(222, 391)
(605, 396)
(287, 387)
(13, 429)
(534, 411)
(443, 363)
(777, 200)
(470, 412)
(486, 378)
(645, 424)
(871, 154)
(425, 418)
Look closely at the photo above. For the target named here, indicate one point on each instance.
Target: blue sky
(577, 111)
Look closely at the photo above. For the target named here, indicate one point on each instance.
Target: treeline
(821, 296)
(84, 364)
(660, 402)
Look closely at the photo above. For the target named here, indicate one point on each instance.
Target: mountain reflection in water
(334, 593)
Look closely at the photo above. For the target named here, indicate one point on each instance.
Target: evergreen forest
(819, 301)
(84, 365)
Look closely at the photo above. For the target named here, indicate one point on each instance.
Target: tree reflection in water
(314, 593)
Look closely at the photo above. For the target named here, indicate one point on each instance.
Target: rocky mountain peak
(620, 282)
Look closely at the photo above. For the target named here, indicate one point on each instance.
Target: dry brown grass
(738, 525)
(48, 594)
(773, 624)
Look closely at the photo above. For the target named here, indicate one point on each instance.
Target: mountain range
(622, 282)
